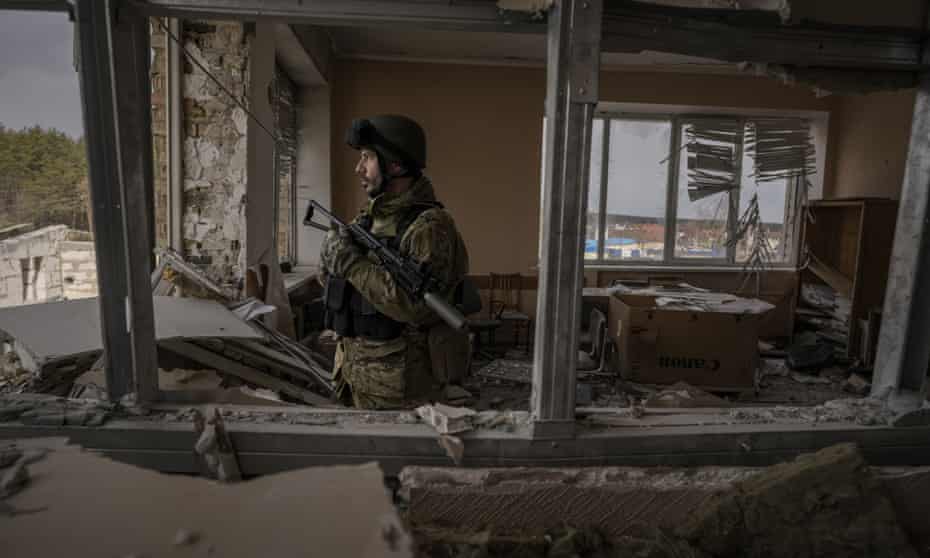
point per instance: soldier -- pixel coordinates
(393, 350)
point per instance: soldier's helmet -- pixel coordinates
(392, 137)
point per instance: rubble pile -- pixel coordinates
(199, 326)
(828, 504)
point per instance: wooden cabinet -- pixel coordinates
(848, 246)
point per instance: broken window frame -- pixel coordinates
(678, 119)
(281, 83)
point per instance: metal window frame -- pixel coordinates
(292, 187)
(669, 260)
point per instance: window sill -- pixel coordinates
(715, 268)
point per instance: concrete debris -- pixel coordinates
(40, 410)
(537, 8)
(204, 331)
(825, 504)
(447, 419)
(809, 379)
(684, 395)
(857, 384)
(822, 504)
(453, 446)
(214, 448)
(508, 421)
(517, 371)
(865, 412)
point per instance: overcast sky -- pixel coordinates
(38, 84)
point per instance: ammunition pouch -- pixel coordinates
(349, 314)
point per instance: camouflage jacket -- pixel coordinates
(383, 374)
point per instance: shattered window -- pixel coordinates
(711, 189)
(702, 213)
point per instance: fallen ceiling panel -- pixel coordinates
(58, 329)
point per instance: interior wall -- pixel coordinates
(871, 134)
(263, 277)
(313, 167)
(484, 132)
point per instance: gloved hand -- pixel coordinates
(339, 252)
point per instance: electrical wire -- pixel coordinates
(197, 63)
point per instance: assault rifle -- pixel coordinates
(412, 277)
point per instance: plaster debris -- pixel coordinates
(447, 419)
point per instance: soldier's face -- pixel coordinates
(369, 172)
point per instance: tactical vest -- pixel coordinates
(348, 313)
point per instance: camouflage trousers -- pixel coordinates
(385, 374)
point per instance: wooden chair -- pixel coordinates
(504, 305)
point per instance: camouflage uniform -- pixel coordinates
(389, 374)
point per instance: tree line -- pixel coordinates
(43, 178)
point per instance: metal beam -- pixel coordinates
(98, 106)
(746, 37)
(572, 92)
(274, 447)
(175, 140)
(472, 15)
(38, 5)
(130, 55)
(731, 35)
(903, 357)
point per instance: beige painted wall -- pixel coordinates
(870, 134)
(484, 128)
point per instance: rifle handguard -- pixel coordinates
(446, 311)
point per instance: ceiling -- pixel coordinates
(520, 49)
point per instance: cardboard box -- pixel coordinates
(713, 348)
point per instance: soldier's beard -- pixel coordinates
(373, 187)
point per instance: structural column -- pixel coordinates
(115, 97)
(904, 340)
(571, 95)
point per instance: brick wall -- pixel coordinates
(215, 148)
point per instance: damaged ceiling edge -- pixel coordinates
(535, 7)
(781, 7)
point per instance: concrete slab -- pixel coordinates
(80, 504)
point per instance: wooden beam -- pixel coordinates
(571, 95)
